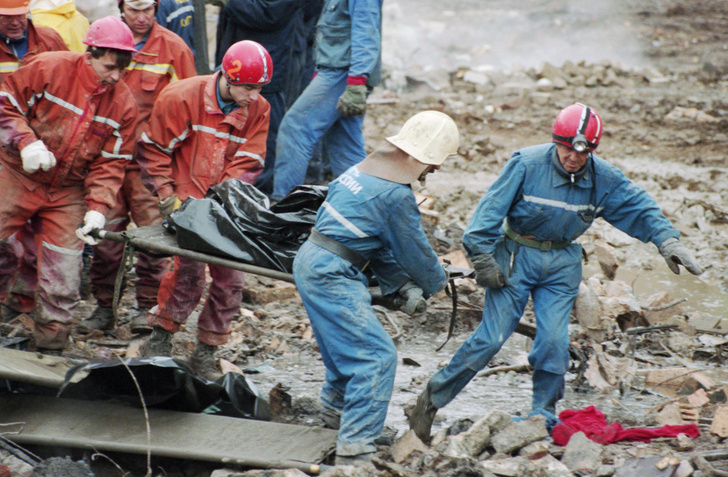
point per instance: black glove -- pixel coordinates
(676, 254)
(412, 301)
(487, 271)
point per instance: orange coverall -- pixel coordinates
(188, 146)
(22, 289)
(164, 59)
(89, 127)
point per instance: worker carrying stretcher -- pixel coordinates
(203, 131)
(370, 221)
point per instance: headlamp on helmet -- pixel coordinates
(579, 127)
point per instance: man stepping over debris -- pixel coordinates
(521, 243)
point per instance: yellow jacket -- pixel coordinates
(67, 21)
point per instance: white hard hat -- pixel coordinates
(429, 137)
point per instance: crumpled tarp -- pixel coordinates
(165, 383)
(234, 220)
(593, 424)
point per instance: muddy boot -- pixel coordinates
(102, 319)
(159, 343)
(360, 460)
(330, 418)
(203, 362)
(421, 417)
(139, 323)
(85, 288)
(7, 314)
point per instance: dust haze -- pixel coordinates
(507, 34)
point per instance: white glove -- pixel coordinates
(91, 221)
(37, 156)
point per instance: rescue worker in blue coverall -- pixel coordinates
(370, 220)
(521, 242)
(348, 66)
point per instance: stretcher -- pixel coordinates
(156, 240)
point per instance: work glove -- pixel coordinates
(217, 3)
(91, 221)
(487, 271)
(37, 156)
(676, 254)
(169, 205)
(412, 301)
(353, 102)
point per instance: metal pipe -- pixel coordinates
(149, 245)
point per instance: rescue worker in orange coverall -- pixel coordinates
(65, 147)
(203, 131)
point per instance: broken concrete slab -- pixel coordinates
(520, 434)
(547, 465)
(644, 467)
(674, 382)
(582, 454)
(508, 467)
(720, 422)
(406, 446)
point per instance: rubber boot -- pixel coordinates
(7, 314)
(203, 362)
(139, 323)
(102, 319)
(159, 343)
(548, 389)
(422, 416)
(330, 418)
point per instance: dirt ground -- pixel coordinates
(657, 72)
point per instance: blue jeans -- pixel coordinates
(359, 355)
(277, 101)
(312, 115)
(552, 279)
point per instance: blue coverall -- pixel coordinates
(536, 200)
(348, 45)
(378, 219)
(177, 15)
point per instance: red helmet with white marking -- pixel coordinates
(247, 62)
(579, 127)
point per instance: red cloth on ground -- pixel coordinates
(591, 421)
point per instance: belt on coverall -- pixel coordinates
(338, 248)
(544, 246)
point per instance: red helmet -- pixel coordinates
(578, 126)
(110, 32)
(247, 62)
